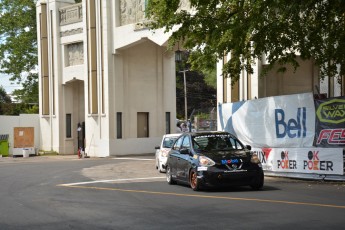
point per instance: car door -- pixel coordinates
(182, 164)
(174, 155)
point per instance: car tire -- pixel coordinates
(170, 180)
(159, 167)
(161, 170)
(193, 180)
(258, 182)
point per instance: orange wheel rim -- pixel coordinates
(193, 179)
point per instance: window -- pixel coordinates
(186, 143)
(178, 144)
(236, 144)
(119, 125)
(142, 125)
(68, 125)
(168, 142)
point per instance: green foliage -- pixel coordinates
(203, 115)
(18, 44)
(4, 98)
(32, 110)
(249, 28)
(210, 76)
(200, 96)
(29, 92)
(17, 108)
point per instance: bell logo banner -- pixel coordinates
(272, 122)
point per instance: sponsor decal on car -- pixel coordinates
(202, 168)
(213, 135)
(231, 161)
(233, 164)
(235, 171)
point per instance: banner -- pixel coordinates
(330, 122)
(302, 160)
(281, 121)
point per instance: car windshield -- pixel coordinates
(168, 142)
(216, 142)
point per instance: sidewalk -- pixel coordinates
(37, 158)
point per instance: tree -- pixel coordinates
(18, 45)
(249, 28)
(4, 97)
(29, 92)
(201, 89)
(200, 96)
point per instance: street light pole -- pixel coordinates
(185, 94)
(178, 59)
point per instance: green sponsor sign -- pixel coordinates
(332, 111)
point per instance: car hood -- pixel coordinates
(219, 155)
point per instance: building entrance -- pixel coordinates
(81, 136)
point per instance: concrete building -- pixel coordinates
(251, 86)
(107, 83)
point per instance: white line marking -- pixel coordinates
(107, 181)
(136, 159)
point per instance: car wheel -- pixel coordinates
(258, 182)
(170, 180)
(193, 180)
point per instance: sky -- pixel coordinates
(6, 83)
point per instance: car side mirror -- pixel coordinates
(157, 147)
(249, 147)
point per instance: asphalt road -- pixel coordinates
(107, 193)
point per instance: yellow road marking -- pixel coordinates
(205, 196)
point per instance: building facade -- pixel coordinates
(107, 83)
(305, 79)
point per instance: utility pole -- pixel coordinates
(178, 59)
(185, 94)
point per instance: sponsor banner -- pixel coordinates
(330, 122)
(282, 121)
(302, 160)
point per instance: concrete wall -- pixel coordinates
(7, 124)
(302, 80)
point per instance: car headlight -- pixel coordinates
(165, 154)
(255, 159)
(205, 161)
